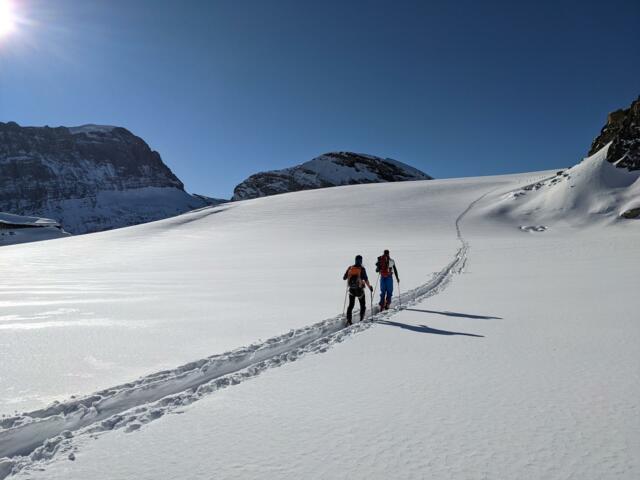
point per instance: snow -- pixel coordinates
(37, 229)
(204, 282)
(117, 208)
(407, 168)
(91, 128)
(326, 168)
(14, 237)
(22, 220)
(516, 357)
(592, 192)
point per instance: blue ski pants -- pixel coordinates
(386, 290)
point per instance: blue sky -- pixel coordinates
(223, 89)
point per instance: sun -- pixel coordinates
(7, 18)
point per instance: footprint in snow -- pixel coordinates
(533, 228)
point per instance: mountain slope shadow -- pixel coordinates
(195, 215)
(425, 329)
(455, 314)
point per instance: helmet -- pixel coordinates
(358, 259)
(386, 252)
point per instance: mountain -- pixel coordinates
(88, 178)
(623, 131)
(328, 170)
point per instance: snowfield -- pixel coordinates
(16, 229)
(211, 344)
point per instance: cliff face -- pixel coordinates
(623, 131)
(328, 170)
(88, 178)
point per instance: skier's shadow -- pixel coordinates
(425, 329)
(455, 314)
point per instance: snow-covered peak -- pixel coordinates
(328, 170)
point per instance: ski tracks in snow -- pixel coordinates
(35, 437)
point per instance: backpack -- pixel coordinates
(382, 266)
(354, 277)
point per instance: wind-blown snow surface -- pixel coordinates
(526, 366)
(105, 308)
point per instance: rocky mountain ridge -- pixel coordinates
(88, 178)
(328, 170)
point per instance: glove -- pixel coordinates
(370, 288)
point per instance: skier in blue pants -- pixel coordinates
(387, 268)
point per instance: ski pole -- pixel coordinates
(371, 293)
(374, 292)
(344, 305)
(399, 295)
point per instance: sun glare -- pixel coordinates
(7, 17)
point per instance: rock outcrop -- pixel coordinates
(623, 131)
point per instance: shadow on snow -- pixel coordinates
(455, 314)
(425, 329)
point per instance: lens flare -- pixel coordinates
(7, 18)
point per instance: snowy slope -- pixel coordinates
(525, 366)
(208, 281)
(111, 209)
(592, 192)
(328, 170)
(528, 371)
